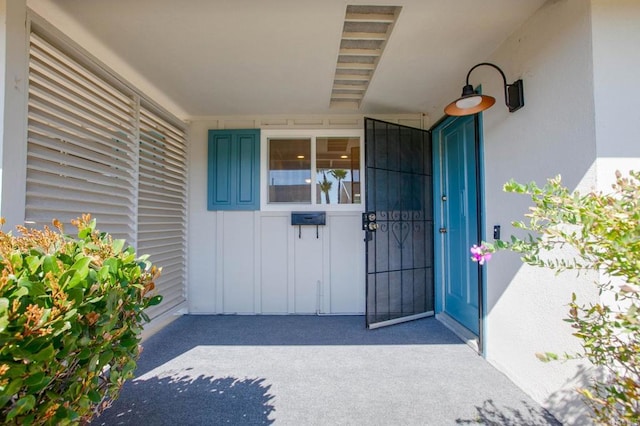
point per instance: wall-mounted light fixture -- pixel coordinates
(471, 102)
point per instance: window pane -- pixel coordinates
(338, 170)
(290, 170)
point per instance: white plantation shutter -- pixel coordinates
(81, 144)
(96, 145)
(162, 202)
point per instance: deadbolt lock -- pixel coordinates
(369, 221)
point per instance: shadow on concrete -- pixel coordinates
(209, 370)
(191, 401)
(491, 415)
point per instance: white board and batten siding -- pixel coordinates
(265, 265)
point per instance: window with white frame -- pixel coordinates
(317, 169)
(289, 176)
(338, 170)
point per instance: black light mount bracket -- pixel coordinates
(513, 93)
(471, 102)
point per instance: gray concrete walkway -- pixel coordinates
(307, 370)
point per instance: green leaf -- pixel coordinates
(94, 396)
(61, 412)
(128, 342)
(45, 354)
(74, 279)
(129, 368)
(82, 266)
(547, 356)
(105, 357)
(114, 376)
(20, 292)
(103, 273)
(85, 353)
(112, 264)
(75, 390)
(117, 246)
(155, 300)
(9, 391)
(94, 300)
(76, 294)
(84, 233)
(92, 277)
(34, 263)
(37, 382)
(36, 289)
(92, 246)
(23, 405)
(34, 378)
(130, 257)
(65, 258)
(16, 370)
(4, 313)
(49, 264)
(64, 278)
(28, 420)
(79, 272)
(16, 260)
(70, 314)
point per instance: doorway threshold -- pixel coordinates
(459, 330)
(399, 320)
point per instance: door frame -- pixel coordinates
(439, 283)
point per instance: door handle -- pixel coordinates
(369, 223)
(443, 230)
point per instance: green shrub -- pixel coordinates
(604, 232)
(71, 314)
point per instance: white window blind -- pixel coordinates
(97, 146)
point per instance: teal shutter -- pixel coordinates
(234, 170)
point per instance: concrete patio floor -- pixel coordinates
(309, 370)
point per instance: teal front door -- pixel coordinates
(456, 199)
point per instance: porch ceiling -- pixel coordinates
(241, 57)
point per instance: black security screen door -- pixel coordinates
(400, 250)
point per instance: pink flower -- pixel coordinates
(480, 254)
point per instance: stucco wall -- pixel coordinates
(577, 62)
(553, 134)
(616, 37)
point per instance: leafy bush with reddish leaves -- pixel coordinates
(71, 314)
